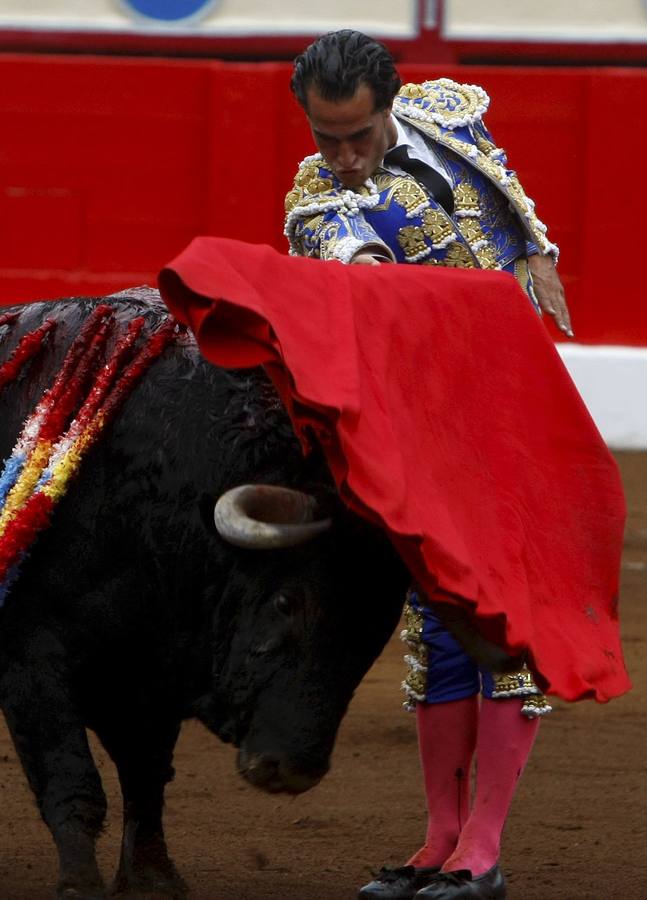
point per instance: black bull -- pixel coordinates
(133, 611)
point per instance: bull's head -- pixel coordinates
(309, 605)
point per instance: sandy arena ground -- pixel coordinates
(577, 831)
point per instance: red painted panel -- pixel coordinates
(240, 186)
(614, 204)
(121, 143)
(109, 166)
(40, 228)
(102, 85)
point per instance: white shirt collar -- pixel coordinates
(402, 136)
(419, 148)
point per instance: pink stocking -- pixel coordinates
(505, 739)
(446, 738)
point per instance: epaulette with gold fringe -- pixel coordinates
(443, 102)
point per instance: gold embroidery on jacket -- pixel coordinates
(471, 230)
(412, 240)
(459, 257)
(484, 145)
(466, 199)
(436, 225)
(409, 194)
(310, 179)
(452, 102)
(413, 91)
(487, 257)
(423, 99)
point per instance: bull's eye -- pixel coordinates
(284, 604)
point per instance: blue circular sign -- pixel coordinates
(169, 10)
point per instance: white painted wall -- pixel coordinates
(613, 384)
(603, 21)
(227, 17)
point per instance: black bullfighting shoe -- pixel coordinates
(402, 883)
(461, 886)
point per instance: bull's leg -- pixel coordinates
(142, 749)
(53, 748)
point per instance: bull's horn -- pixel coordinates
(263, 516)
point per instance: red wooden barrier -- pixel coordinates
(109, 166)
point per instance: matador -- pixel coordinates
(411, 175)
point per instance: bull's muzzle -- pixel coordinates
(276, 774)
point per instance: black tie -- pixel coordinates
(432, 180)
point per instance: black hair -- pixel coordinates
(337, 63)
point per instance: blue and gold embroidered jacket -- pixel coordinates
(394, 214)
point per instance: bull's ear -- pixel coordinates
(205, 508)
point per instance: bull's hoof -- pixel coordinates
(146, 871)
(75, 893)
(148, 895)
(154, 887)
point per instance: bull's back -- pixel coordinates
(36, 367)
(131, 530)
(106, 527)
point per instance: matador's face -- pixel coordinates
(350, 134)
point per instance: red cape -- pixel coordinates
(447, 418)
